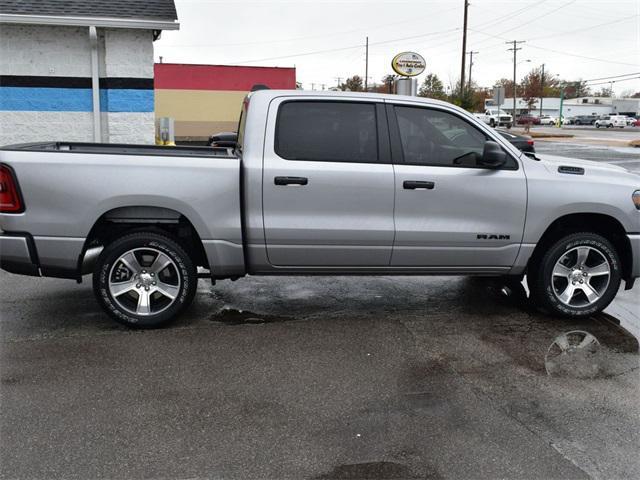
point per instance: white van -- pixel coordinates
(612, 121)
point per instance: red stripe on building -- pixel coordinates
(221, 77)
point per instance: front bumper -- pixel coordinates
(18, 254)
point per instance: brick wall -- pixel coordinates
(45, 88)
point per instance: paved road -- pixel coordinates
(348, 377)
(592, 133)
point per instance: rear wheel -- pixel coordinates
(144, 280)
(577, 276)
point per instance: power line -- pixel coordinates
(613, 81)
(615, 76)
(583, 56)
(531, 20)
(310, 37)
(560, 34)
(316, 52)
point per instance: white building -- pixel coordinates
(79, 70)
(573, 107)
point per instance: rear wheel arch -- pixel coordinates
(601, 224)
(120, 221)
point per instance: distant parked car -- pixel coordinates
(525, 119)
(630, 121)
(521, 142)
(610, 121)
(584, 119)
(548, 120)
(636, 123)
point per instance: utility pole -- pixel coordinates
(471, 54)
(464, 47)
(337, 79)
(541, 88)
(515, 49)
(366, 65)
(323, 85)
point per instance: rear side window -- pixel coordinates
(327, 131)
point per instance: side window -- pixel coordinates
(438, 138)
(327, 131)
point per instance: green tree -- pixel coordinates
(432, 87)
(352, 84)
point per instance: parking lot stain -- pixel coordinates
(232, 316)
(373, 471)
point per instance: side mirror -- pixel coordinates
(492, 155)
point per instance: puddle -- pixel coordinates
(579, 354)
(371, 470)
(232, 316)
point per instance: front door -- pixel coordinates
(327, 195)
(451, 213)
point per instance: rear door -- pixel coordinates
(451, 213)
(328, 183)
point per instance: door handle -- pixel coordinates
(290, 180)
(418, 185)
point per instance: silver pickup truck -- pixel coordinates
(320, 184)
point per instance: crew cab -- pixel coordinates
(319, 183)
(495, 118)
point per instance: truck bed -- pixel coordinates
(123, 149)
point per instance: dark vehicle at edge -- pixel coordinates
(521, 142)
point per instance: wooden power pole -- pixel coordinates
(366, 65)
(464, 47)
(515, 49)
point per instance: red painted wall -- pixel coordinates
(179, 76)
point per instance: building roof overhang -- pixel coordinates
(106, 22)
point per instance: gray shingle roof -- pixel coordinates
(164, 10)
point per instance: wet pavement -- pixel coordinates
(311, 377)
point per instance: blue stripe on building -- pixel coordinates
(43, 99)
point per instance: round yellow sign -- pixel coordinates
(408, 64)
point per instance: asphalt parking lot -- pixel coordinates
(349, 377)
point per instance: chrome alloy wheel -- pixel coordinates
(144, 281)
(581, 276)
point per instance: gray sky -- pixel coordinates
(559, 33)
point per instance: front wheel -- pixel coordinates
(492, 123)
(144, 280)
(597, 125)
(577, 276)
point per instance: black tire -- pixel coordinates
(508, 126)
(492, 123)
(577, 122)
(181, 272)
(540, 275)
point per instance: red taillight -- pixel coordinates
(10, 200)
(530, 142)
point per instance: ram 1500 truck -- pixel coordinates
(495, 118)
(320, 184)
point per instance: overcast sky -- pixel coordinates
(585, 39)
